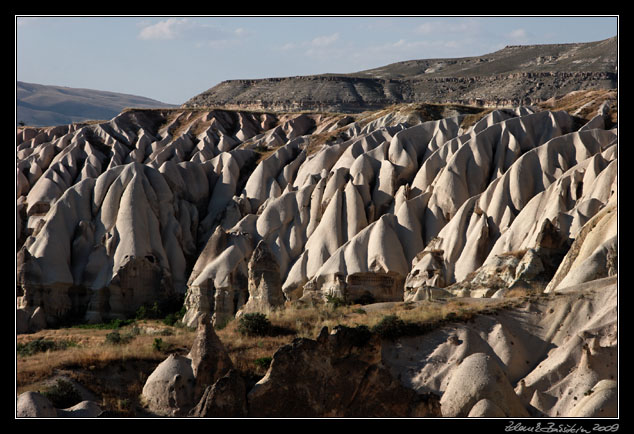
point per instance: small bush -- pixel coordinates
(135, 331)
(63, 394)
(263, 362)
(254, 324)
(170, 319)
(158, 344)
(392, 327)
(170, 309)
(149, 311)
(174, 318)
(115, 338)
(335, 301)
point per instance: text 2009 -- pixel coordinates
(606, 428)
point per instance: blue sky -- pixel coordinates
(171, 59)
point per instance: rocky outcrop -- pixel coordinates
(338, 375)
(169, 390)
(225, 398)
(479, 386)
(593, 254)
(33, 404)
(265, 285)
(178, 383)
(209, 359)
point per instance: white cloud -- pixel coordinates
(518, 34)
(241, 32)
(427, 28)
(200, 34)
(324, 41)
(321, 46)
(288, 46)
(167, 29)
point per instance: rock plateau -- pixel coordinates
(515, 75)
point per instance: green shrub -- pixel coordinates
(115, 338)
(254, 324)
(335, 301)
(174, 318)
(158, 345)
(146, 311)
(170, 309)
(392, 327)
(263, 362)
(63, 394)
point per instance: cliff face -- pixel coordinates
(513, 76)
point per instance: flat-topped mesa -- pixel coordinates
(515, 75)
(356, 94)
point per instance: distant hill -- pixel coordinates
(43, 105)
(512, 76)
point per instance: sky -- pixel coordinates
(173, 58)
